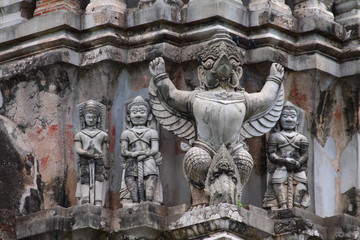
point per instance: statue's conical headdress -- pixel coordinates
(139, 100)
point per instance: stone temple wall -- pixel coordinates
(57, 54)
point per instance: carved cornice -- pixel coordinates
(75, 41)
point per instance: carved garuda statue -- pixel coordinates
(219, 113)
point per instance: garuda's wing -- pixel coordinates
(169, 118)
(263, 122)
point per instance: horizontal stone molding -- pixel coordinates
(152, 221)
(309, 45)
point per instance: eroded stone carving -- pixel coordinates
(91, 144)
(140, 150)
(288, 156)
(219, 113)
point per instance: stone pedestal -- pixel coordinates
(152, 221)
(275, 5)
(98, 6)
(152, 11)
(309, 8)
(100, 12)
(264, 11)
(44, 7)
(347, 12)
(15, 11)
(232, 10)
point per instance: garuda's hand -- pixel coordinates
(157, 66)
(276, 70)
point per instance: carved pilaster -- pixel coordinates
(308, 8)
(347, 12)
(15, 11)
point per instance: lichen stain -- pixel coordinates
(52, 129)
(298, 96)
(140, 77)
(258, 152)
(69, 141)
(351, 96)
(71, 187)
(112, 139)
(323, 115)
(338, 132)
(44, 162)
(39, 130)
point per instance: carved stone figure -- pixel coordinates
(219, 113)
(91, 144)
(288, 156)
(140, 149)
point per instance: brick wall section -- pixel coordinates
(44, 7)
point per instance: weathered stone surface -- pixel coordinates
(21, 185)
(151, 221)
(7, 224)
(65, 58)
(305, 8)
(223, 217)
(347, 12)
(15, 12)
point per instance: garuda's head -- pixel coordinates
(221, 63)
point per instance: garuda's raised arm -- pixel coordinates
(173, 97)
(261, 101)
(264, 107)
(169, 105)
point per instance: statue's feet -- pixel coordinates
(98, 203)
(197, 207)
(282, 206)
(85, 200)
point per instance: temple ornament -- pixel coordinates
(140, 155)
(288, 155)
(91, 144)
(216, 118)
